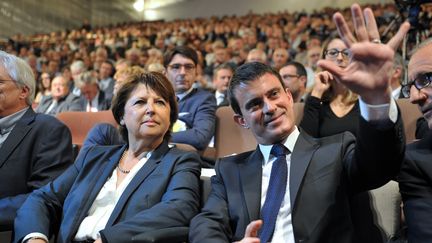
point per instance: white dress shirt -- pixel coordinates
(103, 205)
(283, 229)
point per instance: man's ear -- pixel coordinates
(303, 82)
(240, 120)
(25, 92)
(288, 93)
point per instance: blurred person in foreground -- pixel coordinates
(415, 179)
(34, 148)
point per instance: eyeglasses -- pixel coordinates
(421, 81)
(334, 53)
(176, 67)
(289, 76)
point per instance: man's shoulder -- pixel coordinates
(201, 92)
(47, 122)
(237, 158)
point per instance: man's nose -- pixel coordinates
(416, 96)
(269, 107)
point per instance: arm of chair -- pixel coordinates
(174, 234)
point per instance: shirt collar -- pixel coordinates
(8, 122)
(289, 143)
(180, 96)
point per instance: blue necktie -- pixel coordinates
(275, 192)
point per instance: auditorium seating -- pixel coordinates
(410, 113)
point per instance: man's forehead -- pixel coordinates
(180, 59)
(288, 69)
(421, 61)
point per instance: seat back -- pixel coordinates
(410, 113)
(230, 138)
(80, 123)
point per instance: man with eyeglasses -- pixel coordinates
(197, 108)
(415, 179)
(34, 148)
(295, 77)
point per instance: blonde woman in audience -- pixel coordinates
(331, 108)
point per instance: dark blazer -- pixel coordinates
(198, 110)
(38, 149)
(104, 103)
(67, 103)
(415, 183)
(164, 193)
(103, 134)
(324, 173)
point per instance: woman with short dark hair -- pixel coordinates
(113, 193)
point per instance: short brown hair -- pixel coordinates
(154, 81)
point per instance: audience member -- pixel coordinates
(294, 77)
(43, 87)
(313, 55)
(34, 148)
(221, 77)
(416, 173)
(197, 108)
(256, 55)
(324, 172)
(92, 99)
(279, 58)
(77, 68)
(397, 77)
(59, 100)
(331, 107)
(106, 81)
(113, 193)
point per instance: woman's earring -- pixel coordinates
(122, 123)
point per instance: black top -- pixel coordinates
(320, 121)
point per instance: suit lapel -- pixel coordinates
(22, 127)
(94, 188)
(138, 179)
(300, 159)
(250, 169)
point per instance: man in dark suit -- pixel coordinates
(415, 179)
(92, 99)
(197, 108)
(60, 99)
(221, 77)
(295, 188)
(294, 76)
(34, 148)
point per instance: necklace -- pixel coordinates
(118, 165)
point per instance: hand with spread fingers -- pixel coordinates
(369, 70)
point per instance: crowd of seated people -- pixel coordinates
(83, 69)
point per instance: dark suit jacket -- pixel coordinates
(164, 193)
(38, 149)
(198, 110)
(415, 183)
(324, 174)
(67, 103)
(103, 134)
(103, 102)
